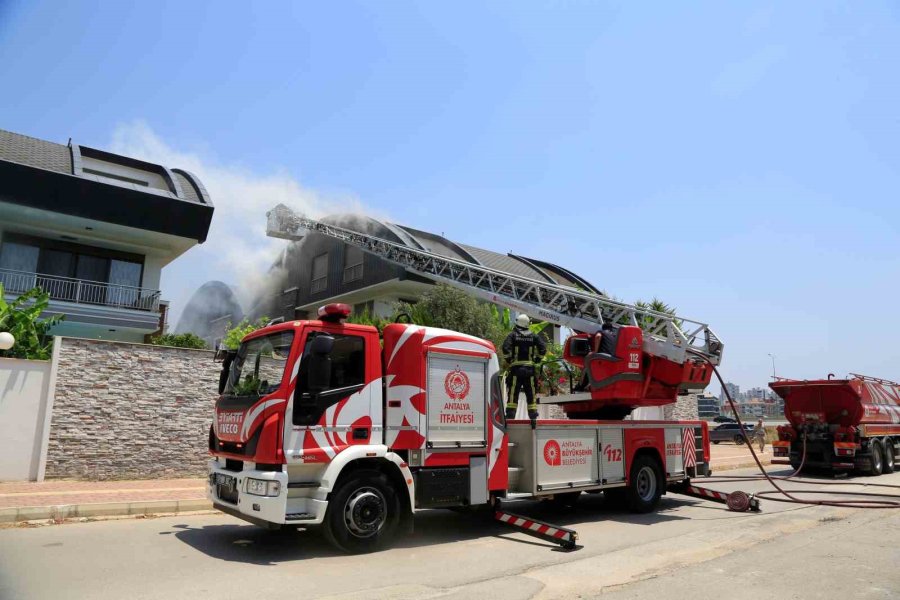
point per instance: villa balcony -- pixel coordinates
(81, 292)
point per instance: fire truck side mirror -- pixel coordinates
(227, 359)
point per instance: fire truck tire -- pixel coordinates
(877, 461)
(646, 484)
(363, 513)
(888, 446)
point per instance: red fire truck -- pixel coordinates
(323, 423)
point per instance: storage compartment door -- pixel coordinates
(565, 458)
(612, 466)
(457, 397)
(674, 452)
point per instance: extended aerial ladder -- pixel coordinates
(675, 340)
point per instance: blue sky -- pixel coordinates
(738, 160)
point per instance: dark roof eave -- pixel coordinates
(89, 199)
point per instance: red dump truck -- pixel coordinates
(844, 424)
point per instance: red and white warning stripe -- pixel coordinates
(706, 493)
(689, 447)
(536, 527)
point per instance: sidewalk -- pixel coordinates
(51, 500)
(731, 456)
(54, 500)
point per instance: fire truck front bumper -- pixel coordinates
(263, 497)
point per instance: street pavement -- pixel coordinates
(689, 548)
(154, 496)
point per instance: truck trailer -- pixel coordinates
(839, 424)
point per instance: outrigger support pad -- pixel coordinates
(736, 501)
(566, 538)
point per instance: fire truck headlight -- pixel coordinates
(263, 487)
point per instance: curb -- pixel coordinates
(101, 509)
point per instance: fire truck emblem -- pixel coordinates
(634, 342)
(456, 384)
(552, 453)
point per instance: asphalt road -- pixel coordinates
(690, 548)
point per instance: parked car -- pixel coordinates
(729, 432)
(723, 419)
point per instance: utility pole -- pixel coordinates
(772, 356)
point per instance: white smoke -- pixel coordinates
(237, 249)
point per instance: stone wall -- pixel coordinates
(684, 409)
(130, 411)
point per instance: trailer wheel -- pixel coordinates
(363, 513)
(645, 485)
(888, 446)
(738, 439)
(877, 461)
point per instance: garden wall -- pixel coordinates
(24, 393)
(130, 411)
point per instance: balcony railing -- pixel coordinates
(81, 291)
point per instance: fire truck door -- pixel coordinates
(457, 396)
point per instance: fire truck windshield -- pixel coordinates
(258, 368)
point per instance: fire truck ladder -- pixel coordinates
(664, 335)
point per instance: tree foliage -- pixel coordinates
(450, 308)
(367, 318)
(656, 305)
(180, 340)
(21, 318)
(236, 333)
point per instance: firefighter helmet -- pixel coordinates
(523, 321)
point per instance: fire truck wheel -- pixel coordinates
(888, 446)
(646, 484)
(877, 461)
(363, 513)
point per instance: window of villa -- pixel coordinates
(319, 274)
(59, 262)
(353, 264)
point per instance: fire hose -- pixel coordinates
(779, 494)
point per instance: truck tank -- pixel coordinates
(858, 400)
(839, 424)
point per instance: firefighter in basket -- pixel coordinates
(522, 351)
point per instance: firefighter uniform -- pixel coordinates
(522, 350)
